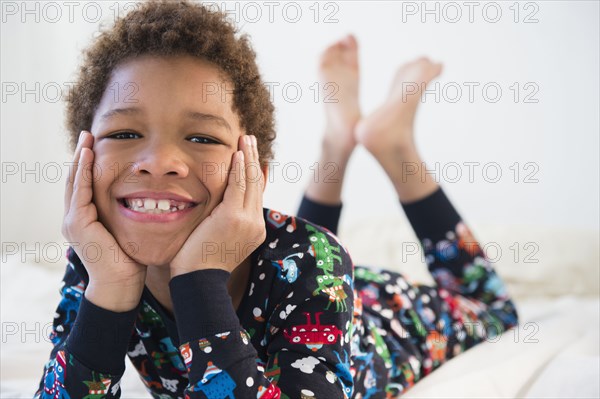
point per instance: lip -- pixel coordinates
(155, 218)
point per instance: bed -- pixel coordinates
(553, 274)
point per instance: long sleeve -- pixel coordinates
(307, 336)
(90, 343)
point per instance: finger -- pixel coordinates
(253, 198)
(236, 182)
(82, 183)
(82, 142)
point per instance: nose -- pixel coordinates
(161, 159)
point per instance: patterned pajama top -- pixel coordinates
(310, 325)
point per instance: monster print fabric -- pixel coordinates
(310, 324)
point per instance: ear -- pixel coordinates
(265, 171)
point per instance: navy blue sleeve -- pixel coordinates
(90, 343)
(327, 216)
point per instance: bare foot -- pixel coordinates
(389, 129)
(338, 70)
(339, 74)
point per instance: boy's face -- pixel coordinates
(164, 135)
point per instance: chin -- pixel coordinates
(154, 258)
(151, 252)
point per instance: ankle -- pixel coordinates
(385, 151)
(332, 151)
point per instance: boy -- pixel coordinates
(209, 294)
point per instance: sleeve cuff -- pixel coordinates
(324, 215)
(99, 338)
(431, 217)
(202, 305)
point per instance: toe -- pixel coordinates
(350, 41)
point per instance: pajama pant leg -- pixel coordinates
(417, 327)
(425, 326)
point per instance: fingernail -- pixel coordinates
(248, 140)
(80, 136)
(254, 143)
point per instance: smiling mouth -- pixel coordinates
(155, 206)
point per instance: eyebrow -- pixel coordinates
(195, 115)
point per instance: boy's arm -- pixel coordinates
(90, 343)
(221, 360)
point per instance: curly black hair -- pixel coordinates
(170, 28)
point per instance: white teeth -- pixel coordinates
(151, 205)
(163, 204)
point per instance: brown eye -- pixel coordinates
(123, 135)
(203, 140)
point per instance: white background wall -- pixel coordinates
(557, 135)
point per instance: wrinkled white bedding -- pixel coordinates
(553, 353)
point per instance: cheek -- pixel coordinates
(110, 168)
(107, 172)
(214, 176)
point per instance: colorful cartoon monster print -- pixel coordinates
(444, 278)
(204, 345)
(342, 370)
(415, 321)
(380, 346)
(166, 345)
(251, 332)
(393, 390)
(466, 240)
(446, 250)
(494, 287)
(367, 275)
(370, 383)
(436, 344)
(187, 354)
(215, 384)
(98, 387)
(148, 379)
(369, 295)
(269, 392)
(69, 307)
(314, 336)
(54, 380)
(334, 288)
(372, 374)
(160, 358)
(148, 315)
(277, 220)
(323, 252)
(274, 372)
(427, 316)
(287, 267)
(408, 374)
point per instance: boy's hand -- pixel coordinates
(236, 227)
(116, 281)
